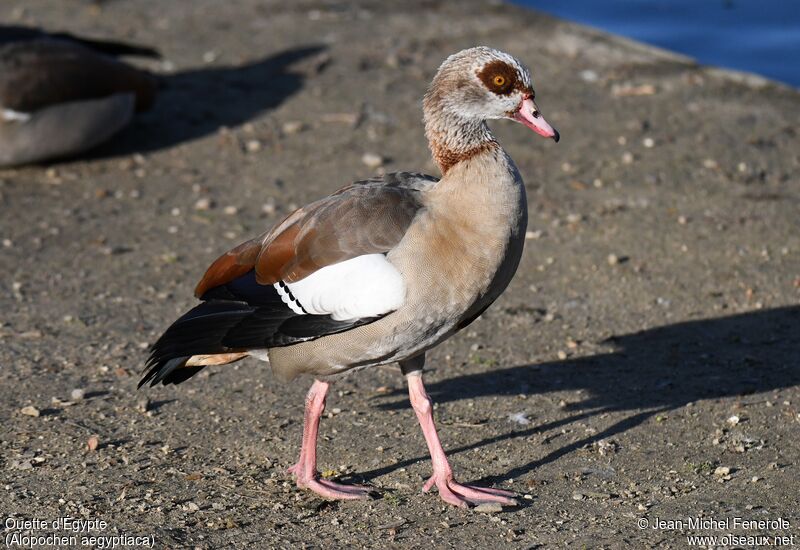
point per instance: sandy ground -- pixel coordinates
(643, 365)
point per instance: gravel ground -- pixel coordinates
(644, 364)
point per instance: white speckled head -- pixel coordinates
(472, 86)
(481, 83)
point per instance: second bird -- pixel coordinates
(61, 95)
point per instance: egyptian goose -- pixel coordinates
(380, 271)
(61, 95)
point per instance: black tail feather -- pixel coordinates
(200, 331)
(163, 371)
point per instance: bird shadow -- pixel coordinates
(646, 373)
(195, 103)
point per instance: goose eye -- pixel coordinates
(499, 80)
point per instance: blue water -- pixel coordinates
(759, 36)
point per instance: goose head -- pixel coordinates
(479, 84)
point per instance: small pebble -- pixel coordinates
(92, 443)
(253, 145)
(21, 464)
(203, 204)
(625, 90)
(612, 259)
(372, 160)
(293, 126)
(722, 471)
(649, 143)
(30, 411)
(230, 210)
(77, 394)
(489, 507)
(143, 404)
(562, 354)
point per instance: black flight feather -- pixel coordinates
(238, 316)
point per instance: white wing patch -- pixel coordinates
(364, 286)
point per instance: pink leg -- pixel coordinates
(306, 468)
(449, 490)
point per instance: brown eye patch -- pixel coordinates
(499, 77)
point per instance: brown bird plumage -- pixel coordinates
(61, 95)
(364, 218)
(380, 271)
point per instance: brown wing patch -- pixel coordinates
(359, 219)
(229, 266)
(276, 254)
